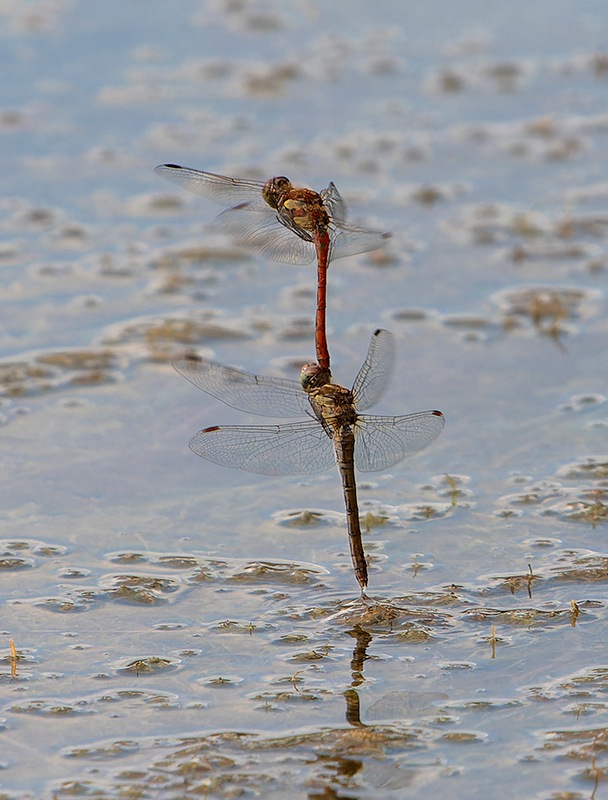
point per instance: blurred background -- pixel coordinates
(183, 628)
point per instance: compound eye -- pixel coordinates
(312, 376)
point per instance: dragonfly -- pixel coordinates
(334, 431)
(285, 223)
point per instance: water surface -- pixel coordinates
(185, 629)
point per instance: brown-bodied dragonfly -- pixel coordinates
(335, 431)
(265, 217)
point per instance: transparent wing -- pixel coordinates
(293, 449)
(256, 394)
(375, 374)
(218, 188)
(333, 202)
(263, 230)
(348, 240)
(382, 442)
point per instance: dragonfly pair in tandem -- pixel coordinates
(335, 432)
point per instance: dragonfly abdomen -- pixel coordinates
(344, 443)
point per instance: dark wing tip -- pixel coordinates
(169, 166)
(378, 331)
(387, 235)
(438, 414)
(211, 429)
(188, 356)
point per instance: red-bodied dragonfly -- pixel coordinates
(335, 431)
(265, 217)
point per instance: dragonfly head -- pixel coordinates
(312, 376)
(275, 189)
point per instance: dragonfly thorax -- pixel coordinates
(334, 405)
(305, 209)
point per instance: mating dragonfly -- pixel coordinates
(333, 433)
(265, 217)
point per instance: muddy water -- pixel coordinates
(181, 629)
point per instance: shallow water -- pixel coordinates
(186, 630)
